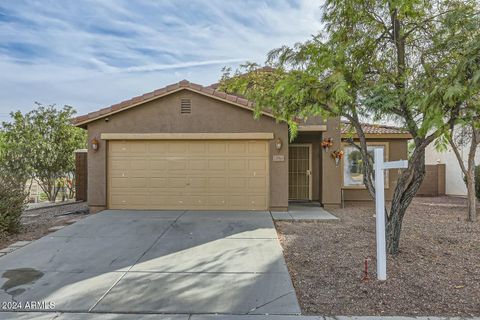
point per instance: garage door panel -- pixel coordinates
(179, 182)
(177, 164)
(217, 148)
(175, 201)
(217, 182)
(128, 199)
(157, 147)
(119, 164)
(177, 148)
(257, 164)
(157, 182)
(139, 164)
(239, 201)
(193, 174)
(257, 183)
(197, 164)
(198, 202)
(159, 164)
(217, 164)
(238, 148)
(257, 148)
(237, 164)
(127, 149)
(258, 202)
(121, 183)
(237, 182)
(217, 201)
(198, 147)
(138, 173)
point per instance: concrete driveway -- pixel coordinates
(172, 262)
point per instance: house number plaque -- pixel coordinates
(278, 157)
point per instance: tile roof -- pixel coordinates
(370, 128)
(184, 84)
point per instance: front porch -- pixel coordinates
(312, 173)
(303, 211)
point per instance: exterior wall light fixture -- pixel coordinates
(278, 144)
(95, 144)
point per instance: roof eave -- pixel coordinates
(404, 136)
(101, 115)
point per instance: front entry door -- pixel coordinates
(300, 172)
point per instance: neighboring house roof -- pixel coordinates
(147, 97)
(376, 130)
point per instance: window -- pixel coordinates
(353, 164)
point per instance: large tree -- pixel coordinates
(462, 89)
(40, 145)
(381, 60)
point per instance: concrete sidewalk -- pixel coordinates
(303, 212)
(111, 316)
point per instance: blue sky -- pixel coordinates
(90, 54)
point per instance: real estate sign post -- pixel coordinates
(380, 166)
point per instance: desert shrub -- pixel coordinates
(12, 202)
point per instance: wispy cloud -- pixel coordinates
(91, 53)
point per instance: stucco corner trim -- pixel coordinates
(317, 127)
(188, 136)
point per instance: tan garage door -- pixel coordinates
(188, 174)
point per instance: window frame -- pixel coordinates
(362, 186)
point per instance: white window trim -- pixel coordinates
(362, 186)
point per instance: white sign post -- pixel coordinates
(380, 166)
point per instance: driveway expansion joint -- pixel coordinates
(119, 262)
(133, 264)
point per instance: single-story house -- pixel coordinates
(186, 146)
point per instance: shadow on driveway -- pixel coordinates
(175, 262)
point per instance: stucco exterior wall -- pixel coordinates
(331, 174)
(397, 150)
(207, 115)
(454, 184)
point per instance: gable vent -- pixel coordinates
(185, 106)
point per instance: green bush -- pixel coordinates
(12, 203)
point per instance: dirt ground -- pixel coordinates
(437, 271)
(36, 222)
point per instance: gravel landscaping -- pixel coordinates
(37, 222)
(436, 273)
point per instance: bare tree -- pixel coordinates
(468, 136)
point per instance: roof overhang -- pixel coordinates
(160, 93)
(404, 136)
(312, 128)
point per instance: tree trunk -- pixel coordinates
(469, 171)
(471, 203)
(398, 209)
(407, 186)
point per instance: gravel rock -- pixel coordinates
(37, 222)
(437, 271)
